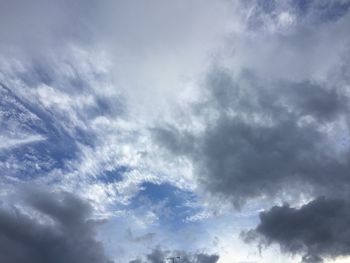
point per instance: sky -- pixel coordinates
(137, 131)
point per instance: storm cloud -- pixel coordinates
(265, 137)
(318, 229)
(48, 227)
(274, 127)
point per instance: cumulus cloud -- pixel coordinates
(159, 255)
(262, 138)
(318, 229)
(38, 226)
(271, 122)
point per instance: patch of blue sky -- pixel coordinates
(267, 6)
(14, 115)
(321, 11)
(114, 175)
(169, 203)
(138, 238)
(325, 9)
(304, 12)
(62, 138)
(24, 163)
(40, 156)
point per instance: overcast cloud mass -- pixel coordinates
(136, 131)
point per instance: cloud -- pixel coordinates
(271, 125)
(45, 124)
(159, 256)
(268, 130)
(11, 143)
(48, 227)
(272, 115)
(318, 229)
(277, 15)
(148, 237)
(263, 138)
(44, 25)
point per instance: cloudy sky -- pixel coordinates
(136, 131)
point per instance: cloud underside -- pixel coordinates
(273, 140)
(317, 229)
(266, 138)
(269, 131)
(48, 227)
(159, 255)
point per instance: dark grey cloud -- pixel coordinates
(159, 255)
(318, 229)
(266, 138)
(311, 259)
(48, 227)
(271, 131)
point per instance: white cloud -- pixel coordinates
(8, 142)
